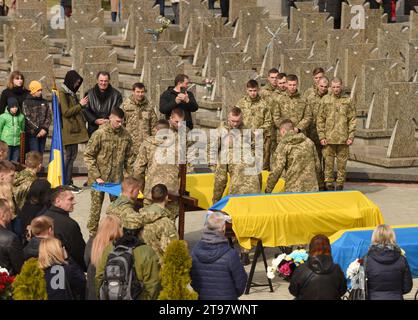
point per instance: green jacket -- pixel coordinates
(336, 120)
(123, 208)
(73, 124)
(109, 154)
(296, 156)
(11, 127)
(21, 185)
(147, 270)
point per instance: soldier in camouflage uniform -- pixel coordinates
(159, 233)
(317, 74)
(336, 125)
(24, 179)
(140, 116)
(296, 156)
(151, 169)
(293, 107)
(256, 115)
(108, 156)
(124, 205)
(240, 182)
(314, 101)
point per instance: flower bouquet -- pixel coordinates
(285, 264)
(5, 284)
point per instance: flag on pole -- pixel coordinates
(56, 174)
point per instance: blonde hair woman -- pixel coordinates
(387, 270)
(64, 279)
(109, 230)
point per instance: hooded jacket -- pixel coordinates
(11, 126)
(217, 272)
(318, 279)
(100, 105)
(296, 156)
(168, 103)
(388, 274)
(19, 93)
(73, 123)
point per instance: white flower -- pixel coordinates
(4, 270)
(275, 262)
(271, 272)
(353, 269)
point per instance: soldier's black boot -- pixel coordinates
(245, 258)
(329, 187)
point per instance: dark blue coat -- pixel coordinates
(388, 274)
(217, 272)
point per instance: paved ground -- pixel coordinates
(398, 203)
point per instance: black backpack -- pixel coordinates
(120, 280)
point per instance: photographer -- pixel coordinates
(179, 97)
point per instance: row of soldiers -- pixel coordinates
(323, 114)
(302, 136)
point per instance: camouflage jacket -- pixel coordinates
(109, 154)
(139, 120)
(336, 121)
(314, 99)
(310, 92)
(256, 114)
(152, 167)
(123, 208)
(297, 156)
(159, 233)
(21, 185)
(295, 108)
(241, 180)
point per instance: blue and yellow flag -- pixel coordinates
(56, 174)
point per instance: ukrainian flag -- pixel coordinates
(56, 173)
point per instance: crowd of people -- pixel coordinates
(302, 134)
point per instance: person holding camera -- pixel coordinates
(179, 97)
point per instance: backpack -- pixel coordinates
(120, 280)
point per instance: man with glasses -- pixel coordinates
(101, 99)
(108, 154)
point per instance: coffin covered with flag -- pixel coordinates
(348, 245)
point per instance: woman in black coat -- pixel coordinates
(319, 278)
(387, 271)
(64, 278)
(15, 88)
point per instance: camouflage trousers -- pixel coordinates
(330, 153)
(173, 206)
(97, 198)
(267, 152)
(158, 239)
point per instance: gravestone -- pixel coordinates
(236, 5)
(83, 38)
(9, 32)
(159, 48)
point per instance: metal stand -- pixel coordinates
(259, 249)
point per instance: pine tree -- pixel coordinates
(175, 273)
(30, 283)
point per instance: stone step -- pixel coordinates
(127, 68)
(63, 61)
(209, 105)
(119, 42)
(57, 42)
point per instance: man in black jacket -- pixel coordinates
(65, 228)
(179, 97)
(101, 99)
(11, 251)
